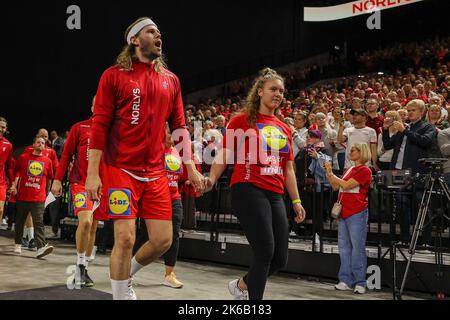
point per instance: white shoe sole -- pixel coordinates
(167, 284)
(44, 253)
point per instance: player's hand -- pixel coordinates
(93, 187)
(300, 213)
(57, 188)
(197, 181)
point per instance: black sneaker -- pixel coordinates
(87, 280)
(32, 244)
(24, 243)
(82, 272)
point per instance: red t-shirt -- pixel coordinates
(174, 169)
(47, 152)
(33, 172)
(77, 144)
(355, 200)
(375, 123)
(263, 161)
(6, 162)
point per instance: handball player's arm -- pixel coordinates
(102, 119)
(177, 123)
(68, 152)
(291, 186)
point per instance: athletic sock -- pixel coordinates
(30, 233)
(25, 233)
(119, 289)
(135, 266)
(81, 258)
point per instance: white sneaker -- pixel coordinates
(172, 281)
(342, 286)
(359, 290)
(18, 248)
(130, 295)
(4, 222)
(45, 250)
(237, 292)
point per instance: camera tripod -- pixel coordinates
(434, 184)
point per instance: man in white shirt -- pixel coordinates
(359, 133)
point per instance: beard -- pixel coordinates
(149, 53)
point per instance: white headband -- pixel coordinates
(138, 27)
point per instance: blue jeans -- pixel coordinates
(352, 234)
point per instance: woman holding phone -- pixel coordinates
(385, 156)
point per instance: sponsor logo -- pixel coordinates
(165, 85)
(80, 200)
(35, 168)
(273, 138)
(119, 202)
(173, 163)
(136, 107)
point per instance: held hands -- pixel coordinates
(56, 188)
(300, 213)
(13, 189)
(197, 180)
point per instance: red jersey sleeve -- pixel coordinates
(235, 123)
(363, 176)
(103, 111)
(50, 170)
(177, 121)
(54, 160)
(69, 150)
(10, 165)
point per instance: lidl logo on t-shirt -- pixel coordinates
(35, 168)
(119, 202)
(173, 163)
(80, 200)
(273, 138)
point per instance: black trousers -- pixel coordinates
(37, 213)
(263, 218)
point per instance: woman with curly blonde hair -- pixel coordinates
(257, 184)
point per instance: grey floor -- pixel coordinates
(202, 281)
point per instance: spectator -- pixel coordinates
(352, 232)
(359, 133)
(385, 156)
(374, 120)
(57, 143)
(299, 132)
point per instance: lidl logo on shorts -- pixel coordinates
(80, 200)
(273, 138)
(35, 168)
(119, 202)
(173, 163)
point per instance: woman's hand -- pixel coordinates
(300, 213)
(327, 167)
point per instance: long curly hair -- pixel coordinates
(128, 54)
(253, 100)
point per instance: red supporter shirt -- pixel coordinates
(375, 123)
(6, 162)
(355, 200)
(174, 169)
(130, 114)
(47, 152)
(33, 172)
(265, 169)
(77, 144)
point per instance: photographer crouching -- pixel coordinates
(352, 211)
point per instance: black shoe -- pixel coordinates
(24, 243)
(87, 280)
(32, 244)
(82, 271)
(101, 249)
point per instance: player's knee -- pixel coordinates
(125, 241)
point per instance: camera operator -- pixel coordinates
(411, 143)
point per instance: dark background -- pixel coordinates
(50, 73)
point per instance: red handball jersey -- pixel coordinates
(174, 169)
(33, 172)
(130, 114)
(262, 158)
(49, 153)
(77, 144)
(355, 200)
(6, 162)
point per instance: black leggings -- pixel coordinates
(262, 215)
